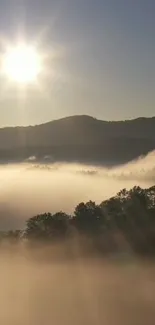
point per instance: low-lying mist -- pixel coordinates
(80, 292)
(42, 284)
(30, 188)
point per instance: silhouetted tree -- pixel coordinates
(89, 218)
(133, 212)
(129, 215)
(47, 226)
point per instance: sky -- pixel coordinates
(102, 59)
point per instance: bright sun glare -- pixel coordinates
(22, 64)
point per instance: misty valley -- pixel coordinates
(77, 243)
(77, 162)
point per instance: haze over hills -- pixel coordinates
(79, 138)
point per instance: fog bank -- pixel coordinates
(83, 292)
(29, 188)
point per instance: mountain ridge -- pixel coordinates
(80, 138)
(84, 116)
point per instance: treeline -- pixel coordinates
(125, 222)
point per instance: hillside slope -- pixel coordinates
(80, 138)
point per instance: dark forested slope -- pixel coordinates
(79, 138)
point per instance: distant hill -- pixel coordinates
(79, 138)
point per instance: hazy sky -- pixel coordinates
(105, 61)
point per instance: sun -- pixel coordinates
(22, 64)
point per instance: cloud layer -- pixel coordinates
(27, 189)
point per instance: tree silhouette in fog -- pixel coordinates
(133, 213)
(130, 214)
(89, 218)
(47, 226)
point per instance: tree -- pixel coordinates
(133, 213)
(47, 226)
(88, 217)
(129, 215)
(57, 226)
